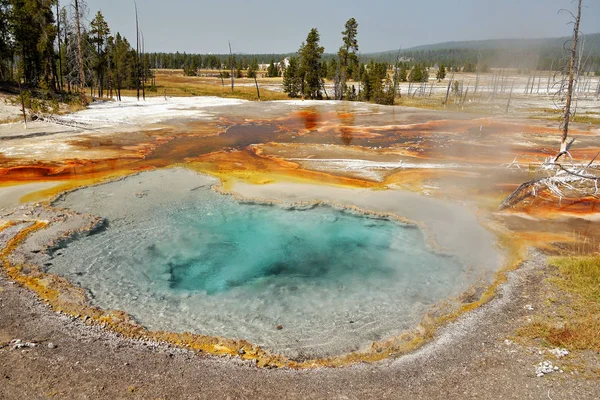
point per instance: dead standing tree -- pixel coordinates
(231, 66)
(80, 50)
(564, 147)
(137, 52)
(577, 179)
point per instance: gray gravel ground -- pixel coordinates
(468, 360)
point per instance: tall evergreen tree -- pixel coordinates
(272, 70)
(98, 37)
(80, 44)
(5, 42)
(253, 68)
(292, 81)
(441, 74)
(347, 55)
(310, 65)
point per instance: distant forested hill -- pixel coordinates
(592, 42)
(544, 54)
(508, 53)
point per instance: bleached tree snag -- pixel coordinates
(549, 77)
(360, 77)
(324, 90)
(396, 78)
(231, 67)
(257, 90)
(137, 52)
(510, 96)
(575, 179)
(523, 191)
(567, 115)
(221, 74)
(22, 104)
(60, 67)
(464, 98)
(143, 67)
(80, 54)
(448, 90)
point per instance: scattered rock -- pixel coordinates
(241, 352)
(559, 352)
(545, 368)
(51, 345)
(20, 344)
(279, 327)
(528, 307)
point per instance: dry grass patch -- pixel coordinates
(175, 84)
(575, 301)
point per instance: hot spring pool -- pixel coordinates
(178, 256)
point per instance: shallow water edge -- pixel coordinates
(122, 323)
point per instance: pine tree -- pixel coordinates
(403, 74)
(419, 73)
(291, 79)
(441, 74)
(5, 44)
(272, 70)
(332, 69)
(253, 68)
(347, 55)
(98, 37)
(310, 65)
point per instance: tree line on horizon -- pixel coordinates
(53, 50)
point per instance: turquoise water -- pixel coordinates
(195, 260)
(252, 246)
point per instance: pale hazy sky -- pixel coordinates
(279, 26)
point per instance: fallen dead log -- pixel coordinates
(575, 180)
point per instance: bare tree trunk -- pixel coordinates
(448, 90)
(257, 90)
(396, 73)
(137, 52)
(66, 39)
(577, 86)
(324, 90)
(359, 77)
(61, 83)
(221, 74)
(567, 115)
(80, 55)
(110, 87)
(22, 104)
(549, 77)
(231, 66)
(336, 84)
(510, 96)
(464, 99)
(143, 68)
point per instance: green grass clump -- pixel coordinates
(580, 275)
(575, 325)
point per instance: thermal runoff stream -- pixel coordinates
(312, 281)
